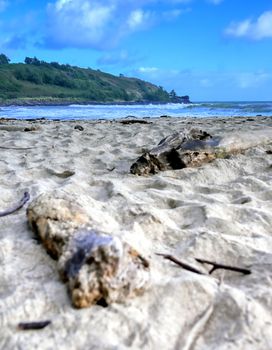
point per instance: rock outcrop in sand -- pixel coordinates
(99, 268)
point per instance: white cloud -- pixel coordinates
(78, 23)
(256, 30)
(137, 19)
(102, 23)
(148, 69)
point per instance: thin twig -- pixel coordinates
(17, 148)
(16, 207)
(26, 326)
(225, 267)
(180, 263)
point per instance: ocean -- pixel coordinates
(93, 112)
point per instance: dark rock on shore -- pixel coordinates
(177, 151)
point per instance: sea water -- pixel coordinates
(93, 112)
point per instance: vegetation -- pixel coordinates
(37, 81)
(4, 59)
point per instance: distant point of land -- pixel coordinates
(37, 82)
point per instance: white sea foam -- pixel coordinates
(91, 112)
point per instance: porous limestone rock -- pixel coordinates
(54, 217)
(98, 267)
(102, 268)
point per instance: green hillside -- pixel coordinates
(37, 81)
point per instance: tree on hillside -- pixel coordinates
(34, 60)
(4, 59)
(172, 95)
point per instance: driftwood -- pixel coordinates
(31, 128)
(134, 121)
(63, 174)
(111, 169)
(194, 147)
(26, 326)
(215, 265)
(177, 151)
(17, 206)
(181, 263)
(17, 148)
(18, 128)
(98, 268)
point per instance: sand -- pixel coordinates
(220, 211)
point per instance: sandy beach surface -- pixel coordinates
(221, 211)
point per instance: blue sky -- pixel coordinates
(209, 49)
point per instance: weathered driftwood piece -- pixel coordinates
(17, 206)
(191, 148)
(98, 268)
(37, 325)
(176, 151)
(134, 121)
(111, 169)
(181, 263)
(17, 148)
(18, 128)
(62, 174)
(216, 266)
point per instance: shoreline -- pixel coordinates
(119, 110)
(136, 119)
(84, 103)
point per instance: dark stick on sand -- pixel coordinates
(111, 169)
(26, 326)
(180, 263)
(134, 121)
(225, 267)
(16, 207)
(17, 148)
(216, 266)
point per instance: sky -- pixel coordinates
(211, 50)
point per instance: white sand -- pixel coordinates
(221, 211)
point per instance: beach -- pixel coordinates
(220, 212)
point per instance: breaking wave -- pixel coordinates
(92, 112)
